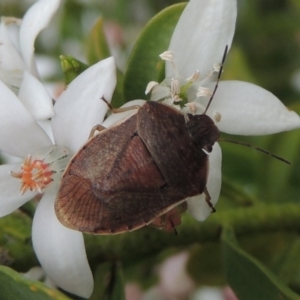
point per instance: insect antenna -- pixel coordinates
(218, 79)
(256, 148)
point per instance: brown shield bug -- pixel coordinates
(121, 179)
(138, 172)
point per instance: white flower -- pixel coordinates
(192, 65)
(60, 250)
(17, 64)
(17, 39)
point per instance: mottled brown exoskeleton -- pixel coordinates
(132, 173)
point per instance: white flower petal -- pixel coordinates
(10, 197)
(36, 19)
(197, 205)
(159, 92)
(80, 107)
(247, 109)
(201, 35)
(13, 26)
(10, 159)
(19, 134)
(35, 98)
(60, 250)
(11, 64)
(47, 127)
(114, 118)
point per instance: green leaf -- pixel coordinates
(288, 265)
(15, 286)
(144, 64)
(71, 67)
(15, 238)
(236, 193)
(109, 282)
(247, 276)
(117, 98)
(97, 47)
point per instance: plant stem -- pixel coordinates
(244, 221)
(133, 245)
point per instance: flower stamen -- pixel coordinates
(195, 76)
(216, 68)
(150, 86)
(175, 87)
(35, 175)
(167, 56)
(192, 106)
(217, 116)
(176, 98)
(204, 92)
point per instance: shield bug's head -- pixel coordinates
(203, 131)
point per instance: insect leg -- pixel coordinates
(121, 109)
(96, 128)
(207, 199)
